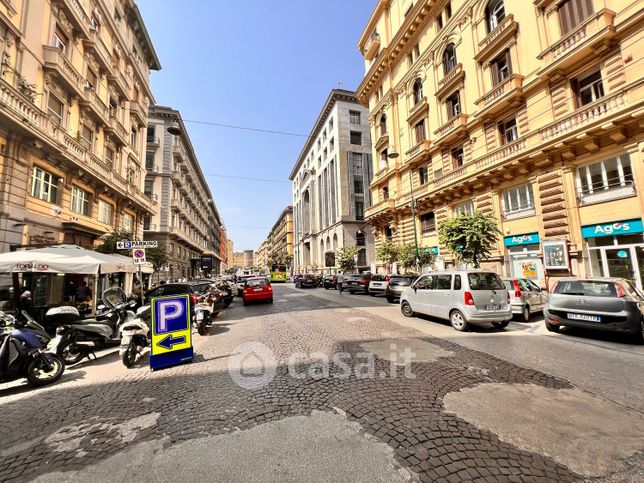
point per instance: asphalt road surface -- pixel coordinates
(320, 386)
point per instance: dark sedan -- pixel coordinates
(307, 280)
(357, 283)
(608, 304)
(329, 281)
(396, 284)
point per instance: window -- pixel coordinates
(428, 223)
(356, 137)
(457, 282)
(134, 134)
(324, 135)
(448, 10)
(131, 175)
(149, 161)
(501, 67)
(331, 124)
(453, 104)
(60, 40)
(148, 187)
(449, 58)
(418, 91)
(127, 223)
(104, 212)
(113, 107)
(55, 108)
(419, 129)
(384, 159)
(439, 21)
(466, 208)
(324, 154)
(443, 282)
(362, 258)
(44, 186)
(80, 201)
(354, 117)
(605, 175)
(389, 233)
(358, 172)
(93, 24)
(416, 51)
(517, 199)
(383, 124)
(572, 13)
(385, 193)
(359, 210)
(458, 157)
(91, 80)
(117, 15)
(331, 144)
(86, 137)
(423, 175)
(150, 134)
(494, 14)
(109, 156)
(410, 59)
(425, 283)
(508, 131)
(146, 222)
(360, 239)
(588, 89)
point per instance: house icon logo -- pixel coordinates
(252, 365)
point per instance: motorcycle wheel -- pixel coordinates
(201, 328)
(38, 375)
(129, 356)
(69, 356)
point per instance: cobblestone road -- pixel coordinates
(107, 409)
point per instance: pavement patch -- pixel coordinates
(588, 434)
(393, 350)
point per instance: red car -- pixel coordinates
(257, 289)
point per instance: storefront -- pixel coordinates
(524, 257)
(616, 249)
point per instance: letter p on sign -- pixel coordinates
(168, 311)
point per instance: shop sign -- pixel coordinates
(555, 254)
(613, 228)
(516, 240)
(432, 250)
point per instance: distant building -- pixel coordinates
(249, 258)
(279, 240)
(330, 185)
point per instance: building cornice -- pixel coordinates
(371, 24)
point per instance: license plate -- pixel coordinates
(53, 344)
(257, 290)
(586, 317)
(492, 307)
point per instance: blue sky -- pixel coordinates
(257, 63)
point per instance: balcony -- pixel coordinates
(589, 40)
(153, 142)
(76, 15)
(97, 107)
(95, 44)
(120, 133)
(372, 47)
(450, 81)
(451, 130)
(492, 41)
(139, 112)
(179, 152)
(382, 142)
(16, 106)
(419, 111)
(500, 155)
(56, 62)
(380, 208)
(118, 80)
(585, 116)
(418, 153)
(503, 97)
(614, 191)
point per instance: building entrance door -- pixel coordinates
(622, 262)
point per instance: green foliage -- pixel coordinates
(470, 237)
(109, 241)
(387, 252)
(157, 256)
(344, 258)
(280, 258)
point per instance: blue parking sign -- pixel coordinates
(171, 331)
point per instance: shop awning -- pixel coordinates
(64, 259)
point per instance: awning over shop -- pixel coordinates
(64, 259)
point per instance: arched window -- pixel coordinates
(335, 243)
(383, 124)
(418, 91)
(494, 14)
(360, 239)
(362, 258)
(449, 58)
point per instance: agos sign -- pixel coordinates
(526, 239)
(614, 228)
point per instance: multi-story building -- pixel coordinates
(249, 258)
(74, 95)
(528, 110)
(330, 182)
(187, 222)
(279, 240)
(240, 260)
(223, 249)
(263, 253)
(231, 253)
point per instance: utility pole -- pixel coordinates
(414, 211)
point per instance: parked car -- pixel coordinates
(241, 281)
(329, 281)
(357, 283)
(257, 289)
(396, 285)
(194, 289)
(526, 297)
(463, 297)
(378, 284)
(307, 280)
(609, 304)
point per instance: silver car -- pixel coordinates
(526, 297)
(463, 297)
(378, 284)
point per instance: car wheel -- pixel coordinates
(501, 325)
(406, 309)
(245, 303)
(372, 294)
(390, 299)
(457, 319)
(552, 327)
(526, 314)
(270, 301)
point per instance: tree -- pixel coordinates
(344, 258)
(157, 256)
(407, 256)
(470, 237)
(109, 241)
(387, 253)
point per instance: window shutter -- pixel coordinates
(508, 61)
(494, 67)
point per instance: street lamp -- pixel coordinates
(414, 211)
(392, 152)
(175, 129)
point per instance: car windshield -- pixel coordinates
(401, 280)
(586, 288)
(508, 284)
(485, 281)
(256, 283)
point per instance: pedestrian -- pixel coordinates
(26, 303)
(84, 292)
(339, 281)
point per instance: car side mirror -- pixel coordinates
(415, 287)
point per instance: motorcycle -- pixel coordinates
(135, 335)
(22, 352)
(206, 309)
(77, 337)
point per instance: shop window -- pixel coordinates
(44, 186)
(104, 212)
(453, 104)
(588, 89)
(428, 223)
(501, 67)
(508, 131)
(449, 59)
(80, 201)
(607, 179)
(518, 199)
(572, 13)
(419, 129)
(466, 208)
(494, 14)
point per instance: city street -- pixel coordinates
(316, 387)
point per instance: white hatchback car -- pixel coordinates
(463, 297)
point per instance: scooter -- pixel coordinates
(22, 352)
(206, 309)
(77, 338)
(135, 335)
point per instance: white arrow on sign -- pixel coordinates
(126, 245)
